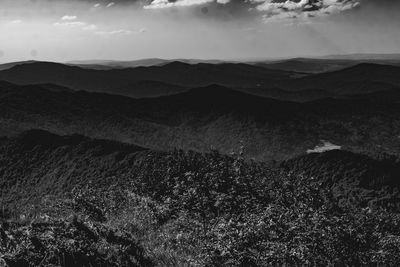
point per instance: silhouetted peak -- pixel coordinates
(367, 67)
(176, 64)
(42, 65)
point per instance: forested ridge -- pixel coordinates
(188, 208)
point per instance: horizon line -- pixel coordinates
(362, 56)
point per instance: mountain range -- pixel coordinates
(177, 77)
(124, 81)
(205, 163)
(209, 117)
(275, 114)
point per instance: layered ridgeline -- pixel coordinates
(172, 77)
(94, 179)
(175, 77)
(320, 65)
(209, 117)
(82, 202)
(360, 79)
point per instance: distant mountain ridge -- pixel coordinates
(176, 77)
(358, 79)
(120, 80)
(6, 66)
(147, 62)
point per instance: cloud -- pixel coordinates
(121, 32)
(182, 3)
(70, 24)
(293, 11)
(110, 4)
(69, 18)
(301, 9)
(114, 32)
(77, 24)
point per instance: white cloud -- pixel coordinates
(121, 32)
(69, 18)
(110, 4)
(114, 32)
(70, 24)
(303, 9)
(182, 3)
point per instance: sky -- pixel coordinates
(65, 30)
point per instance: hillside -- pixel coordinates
(10, 65)
(287, 95)
(360, 79)
(328, 64)
(37, 163)
(207, 117)
(308, 65)
(145, 89)
(122, 205)
(346, 173)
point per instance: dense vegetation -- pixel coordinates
(146, 208)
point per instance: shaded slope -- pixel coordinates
(305, 65)
(13, 64)
(286, 95)
(359, 79)
(352, 177)
(207, 117)
(143, 89)
(37, 163)
(187, 206)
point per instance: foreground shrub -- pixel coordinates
(74, 243)
(187, 209)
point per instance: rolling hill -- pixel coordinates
(308, 65)
(177, 77)
(147, 62)
(360, 79)
(328, 64)
(208, 117)
(123, 81)
(37, 163)
(10, 65)
(57, 164)
(67, 197)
